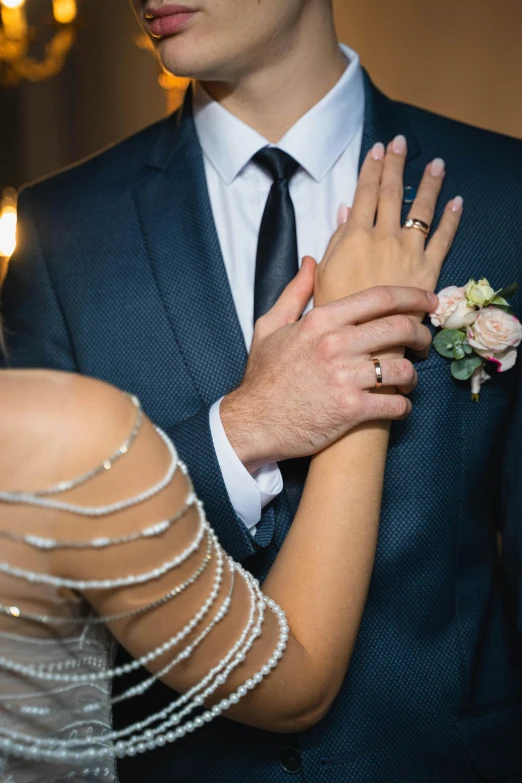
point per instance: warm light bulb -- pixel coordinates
(12, 3)
(7, 231)
(14, 20)
(65, 11)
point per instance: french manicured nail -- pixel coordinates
(434, 299)
(342, 215)
(437, 167)
(399, 144)
(457, 204)
(378, 151)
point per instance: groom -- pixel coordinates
(146, 266)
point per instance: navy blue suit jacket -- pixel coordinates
(119, 275)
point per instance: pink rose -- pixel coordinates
(495, 335)
(453, 311)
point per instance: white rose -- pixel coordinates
(495, 335)
(479, 293)
(453, 311)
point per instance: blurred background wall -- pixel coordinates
(462, 58)
(107, 89)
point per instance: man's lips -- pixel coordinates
(168, 19)
(167, 10)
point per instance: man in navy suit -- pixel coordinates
(146, 266)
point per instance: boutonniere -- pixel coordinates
(476, 326)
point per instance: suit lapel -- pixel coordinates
(180, 237)
(383, 120)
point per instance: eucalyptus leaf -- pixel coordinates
(459, 352)
(509, 291)
(464, 368)
(467, 348)
(445, 341)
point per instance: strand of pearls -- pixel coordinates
(166, 733)
(211, 682)
(223, 670)
(236, 653)
(138, 690)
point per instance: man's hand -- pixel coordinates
(308, 381)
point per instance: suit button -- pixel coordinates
(410, 194)
(290, 760)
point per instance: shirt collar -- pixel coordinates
(316, 141)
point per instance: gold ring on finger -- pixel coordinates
(419, 224)
(378, 373)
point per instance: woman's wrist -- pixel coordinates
(363, 448)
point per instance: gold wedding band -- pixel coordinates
(419, 224)
(378, 373)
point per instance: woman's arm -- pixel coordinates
(335, 531)
(328, 556)
(321, 575)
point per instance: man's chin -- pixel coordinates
(179, 59)
(193, 62)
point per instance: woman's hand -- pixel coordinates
(371, 248)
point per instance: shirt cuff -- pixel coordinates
(248, 493)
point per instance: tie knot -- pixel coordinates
(278, 164)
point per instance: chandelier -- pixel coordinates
(18, 37)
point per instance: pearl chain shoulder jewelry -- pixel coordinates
(108, 674)
(14, 611)
(165, 726)
(111, 584)
(29, 499)
(46, 748)
(102, 542)
(65, 486)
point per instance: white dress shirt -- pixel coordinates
(326, 142)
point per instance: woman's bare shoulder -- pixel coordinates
(56, 425)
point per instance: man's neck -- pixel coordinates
(272, 98)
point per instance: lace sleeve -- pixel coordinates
(61, 592)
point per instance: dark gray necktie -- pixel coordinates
(276, 265)
(276, 259)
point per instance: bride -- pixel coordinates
(104, 539)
